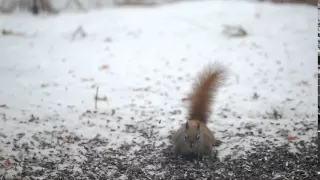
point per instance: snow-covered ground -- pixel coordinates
(144, 61)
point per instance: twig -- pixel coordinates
(96, 98)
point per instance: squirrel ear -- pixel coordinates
(187, 125)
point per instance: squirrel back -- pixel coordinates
(204, 90)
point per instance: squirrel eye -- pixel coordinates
(185, 136)
(198, 137)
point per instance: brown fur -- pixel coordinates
(204, 90)
(194, 137)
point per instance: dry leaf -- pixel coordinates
(6, 32)
(104, 66)
(8, 162)
(292, 138)
(86, 79)
(234, 31)
(186, 99)
(4, 106)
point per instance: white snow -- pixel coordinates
(160, 48)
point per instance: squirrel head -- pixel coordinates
(192, 134)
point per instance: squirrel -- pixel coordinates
(194, 137)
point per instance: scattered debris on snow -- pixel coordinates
(105, 106)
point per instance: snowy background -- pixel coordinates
(142, 61)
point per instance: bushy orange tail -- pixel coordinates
(204, 90)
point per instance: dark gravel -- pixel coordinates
(158, 162)
(62, 154)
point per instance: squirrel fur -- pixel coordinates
(194, 137)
